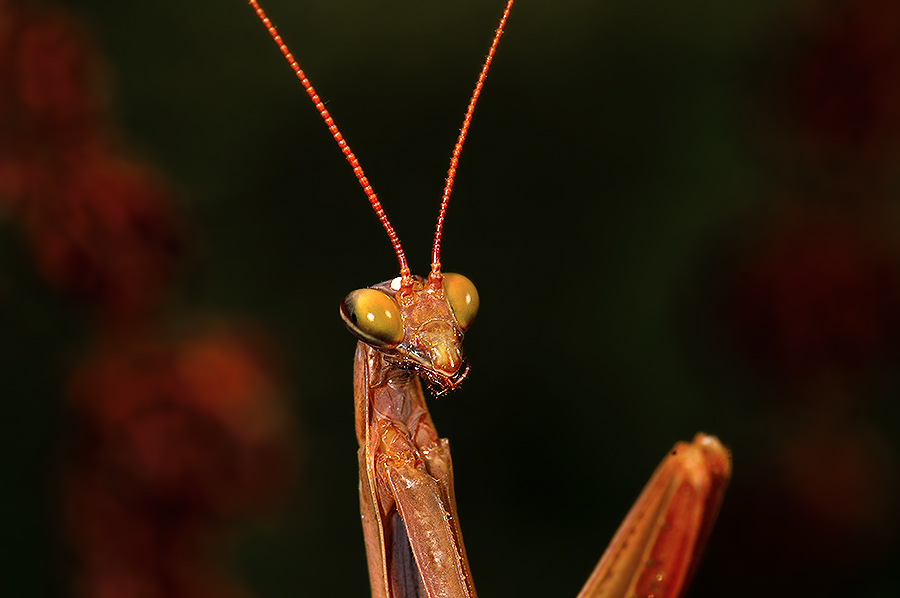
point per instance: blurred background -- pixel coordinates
(680, 218)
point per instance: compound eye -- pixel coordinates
(373, 318)
(462, 297)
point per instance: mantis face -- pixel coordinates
(419, 327)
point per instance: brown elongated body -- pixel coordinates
(413, 540)
(405, 476)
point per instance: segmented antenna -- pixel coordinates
(351, 158)
(435, 276)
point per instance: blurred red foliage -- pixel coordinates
(849, 77)
(173, 440)
(815, 293)
(107, 234)
(52, 99)
(170, 440)
(813, 301)
(104, 228)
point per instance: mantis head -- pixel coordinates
(418, 327)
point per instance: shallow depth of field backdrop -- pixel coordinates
(615, 206)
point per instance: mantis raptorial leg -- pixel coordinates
(411, 328)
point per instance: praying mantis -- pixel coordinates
(411, 328)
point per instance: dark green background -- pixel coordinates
(614, 150)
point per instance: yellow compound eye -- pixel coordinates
(373, 318)
(462, 297)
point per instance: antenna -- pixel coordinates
(348, 153)
(434, 278)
